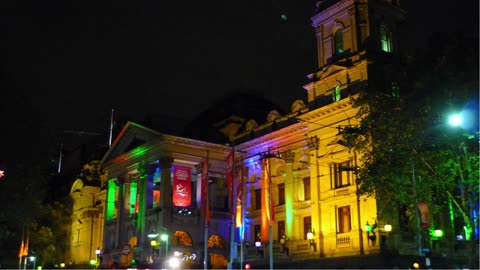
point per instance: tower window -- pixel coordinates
(385, 39)
(338, 42)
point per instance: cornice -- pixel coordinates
(276, 139)
(315, 114)
(330, 11)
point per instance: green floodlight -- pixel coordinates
(368, 228)
(435, 234)
(438, 233)
(455, 120)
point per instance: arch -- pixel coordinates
(182, 238)
(77, 186)
(385, 38)
(338, 42)
(216, 241)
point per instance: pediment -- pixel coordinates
(330, 70)
(132, 136)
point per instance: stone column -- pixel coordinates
(289, 158)
(166, 191)
(120, 229)
(320, 50)
(353, 27)
(145, 195)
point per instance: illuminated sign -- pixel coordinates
(182, 186)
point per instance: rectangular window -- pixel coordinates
(341, 174)
(307, 226)
(306, 188)
(257, 232)
(344, 223)
(281, 194)
(258, 199)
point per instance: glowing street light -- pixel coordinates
(455, 120)
(164, 238)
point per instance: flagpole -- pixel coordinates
(234, 207)
(20, 253)
(205, 235)
(242, 227)
(111, 130)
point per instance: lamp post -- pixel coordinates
(153, 242)
(310, 236)
(33, 260)
(97, 253)
(164, 238)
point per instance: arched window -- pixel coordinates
(385, 39)
(336, 94)
(338, 42)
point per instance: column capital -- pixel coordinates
(165, 161)
(288, 156)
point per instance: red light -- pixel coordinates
(247, 266)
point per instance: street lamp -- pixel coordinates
(387, 228)
(153, 242)
(97, 253)
(310, 236)
(455, 120)
(164, 238)
(33, 260)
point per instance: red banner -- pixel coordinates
(182, 186)
(424, 215)
(205, 207)
(239, 213)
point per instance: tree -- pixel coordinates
(401, 137)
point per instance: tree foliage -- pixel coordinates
(407, 136)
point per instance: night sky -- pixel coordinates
(67, 64)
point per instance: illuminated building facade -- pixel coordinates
(294, 186)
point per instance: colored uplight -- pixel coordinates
(247, 266)
(438, 233)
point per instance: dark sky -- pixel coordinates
(81, 59)
(69, 63)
